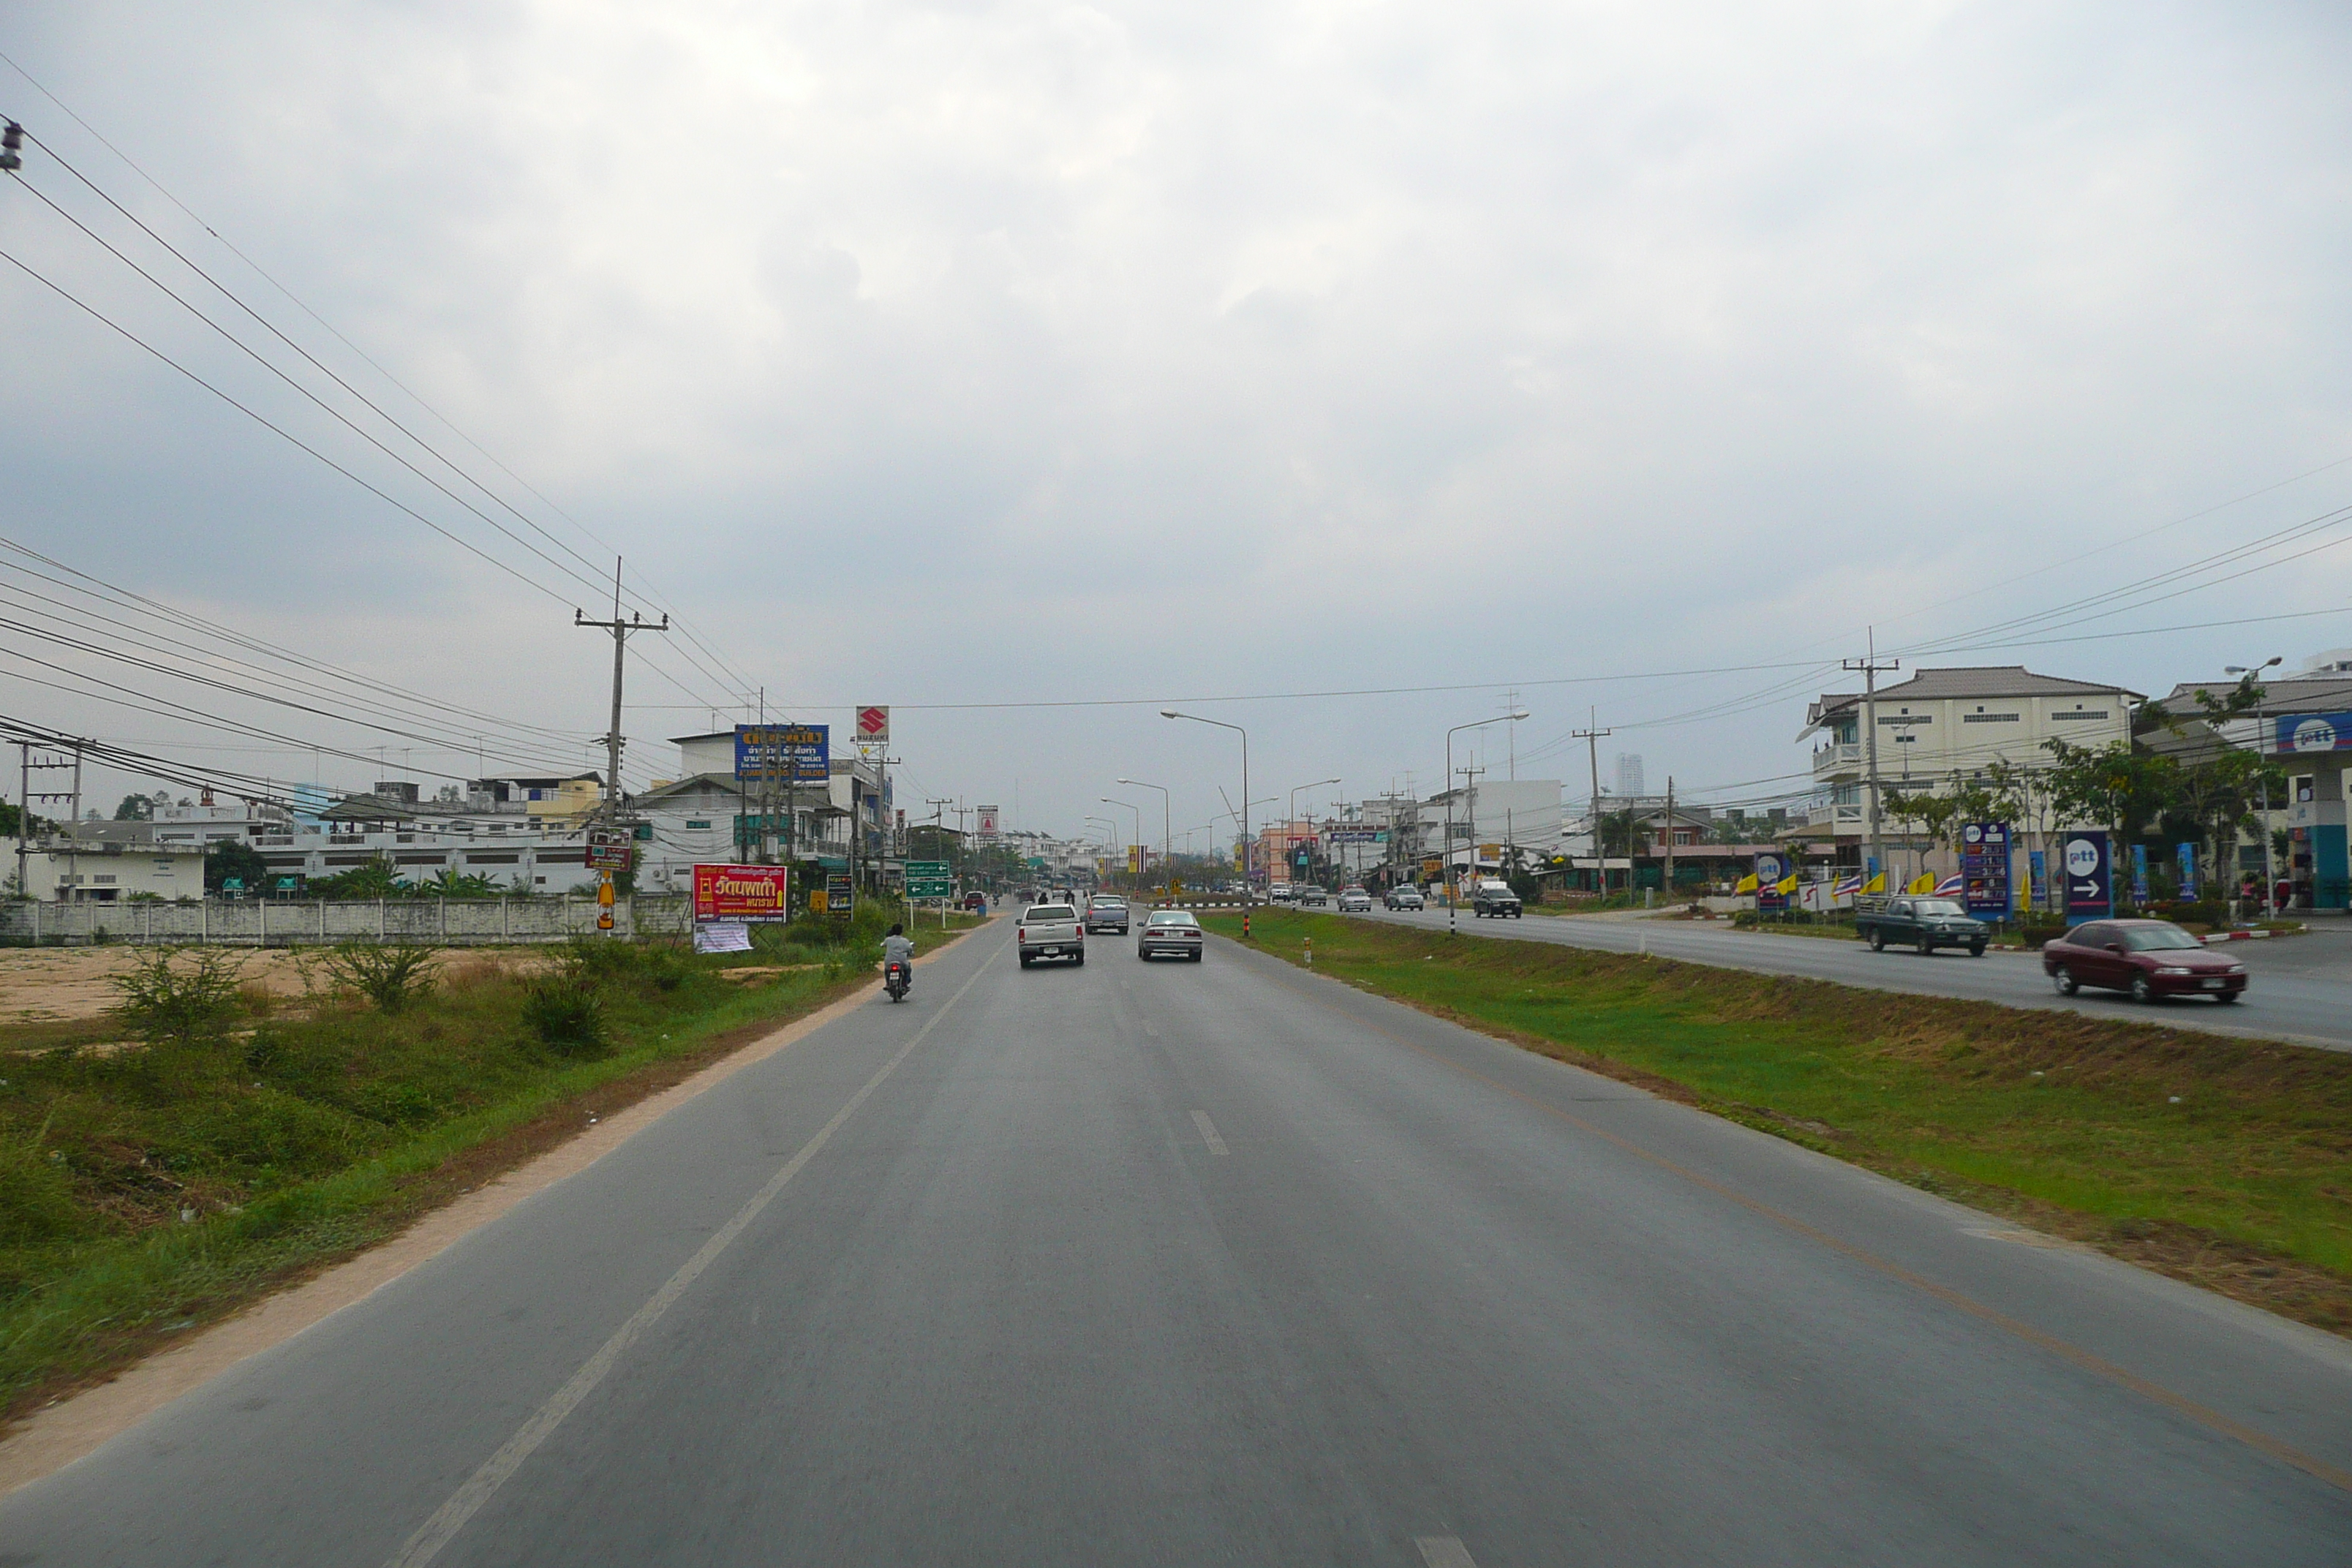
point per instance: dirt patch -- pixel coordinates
(72, 985)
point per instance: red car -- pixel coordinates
(2150, 959)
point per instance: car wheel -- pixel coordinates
(1026, 960)
(2141, 990)
(2064, 978)
(1927, 948)
(1976, 949)
(1879, 942)
(1196, 957)
(2229, 996)
(1081, 962)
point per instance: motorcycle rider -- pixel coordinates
(899, 948)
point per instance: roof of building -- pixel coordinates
(1966, 681)
(2286, 693)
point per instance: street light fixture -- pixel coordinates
(2262, 750)
(1236, 729)
(1166, 838)
(1453, 899)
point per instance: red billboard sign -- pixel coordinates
(874, 724)
(741, 892)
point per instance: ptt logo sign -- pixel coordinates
(2082, 858)
(2314, 732)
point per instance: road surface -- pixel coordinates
(2301, 987)
(1224, 1263)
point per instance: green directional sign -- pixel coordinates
(928, 880)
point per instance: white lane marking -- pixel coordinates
(1444, 1552)
(1208, 1133)
(452, 1516)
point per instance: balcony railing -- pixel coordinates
(1837, 757)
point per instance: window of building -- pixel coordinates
(1981, 717)
(699, 824)
(2081, 713)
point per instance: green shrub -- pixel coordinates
(392, 975)
(2038, 929)
(604, 960)
(36, 1200)
(567, 1016)
(183, 1003)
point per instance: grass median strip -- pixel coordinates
(168, 1163)
(2224, 1161)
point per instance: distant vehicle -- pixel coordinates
(1404, 895)
(1495, 897)
(1354, 901)
(1281, 893)
(976, 903)
(1308, 893)
(1106, 912)
(1051, 930)
(1170, 933)
(895, 979)
(1925, 923)
(2150, 959)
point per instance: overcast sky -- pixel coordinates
(1001, 352)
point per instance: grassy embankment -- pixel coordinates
(150, 1185)
(2224, 1161)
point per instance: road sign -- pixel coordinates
(2090, 876)
(928, 880)
(873, 726)
(609, 848)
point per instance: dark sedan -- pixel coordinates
(2150, 959)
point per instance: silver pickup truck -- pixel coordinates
(1050, 930)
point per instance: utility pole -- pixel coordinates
(620, 631)
(1870, 666)
(1670, 838)
(610, 812)
(1591, 739)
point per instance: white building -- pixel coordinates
(1509, 814)
(113, 868)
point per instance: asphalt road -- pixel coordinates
(1223, 1263)
(2301, 986)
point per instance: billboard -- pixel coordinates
(988, 815)
(873, 726)
(610, 849)
(1770, 870)
(1354, 834)
(2314, 732)
(742, 892)
(2090, 875)
(1984, 869)
(784, 753)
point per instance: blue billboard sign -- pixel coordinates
(2314, 732)
(2090, 868)
(1984, 869)
(783, 753)
(2188, 853)
(1770, 870)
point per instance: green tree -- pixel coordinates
(233, 859)
(374, 880)
(2119, 785)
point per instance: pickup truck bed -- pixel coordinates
(1051, 930)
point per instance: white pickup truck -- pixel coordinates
(1051, 930)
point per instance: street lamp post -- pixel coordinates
(1166, 837)
(1452, 892)
(1111, 837)
(1236, 729)
(1293, 810)
(1134, 878)
(2262, 750)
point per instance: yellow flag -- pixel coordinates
(1876, 884)
(1747, 884)
(1924, 883)
(1787, 884)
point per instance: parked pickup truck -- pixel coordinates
(1926, 923)
(1051, 930)
(1495, 897)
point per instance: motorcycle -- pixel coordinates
(898, 979)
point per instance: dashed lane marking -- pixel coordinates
(1209, 1132)
(1444, 1552)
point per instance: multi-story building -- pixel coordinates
(2303, 723)
(1939, 727)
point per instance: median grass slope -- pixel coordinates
(167, 1162)
(2221, 1161)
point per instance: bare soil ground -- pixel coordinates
(71, 985)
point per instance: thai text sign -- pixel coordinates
(791, 753)
(1984, 869)
(742, 892)
(609, 848)
(927, 879)
(1357, 836)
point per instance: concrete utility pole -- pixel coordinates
(1591, 739)
(1870, 667)
(1670, 839)
(1512, 717)
(620, 631)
